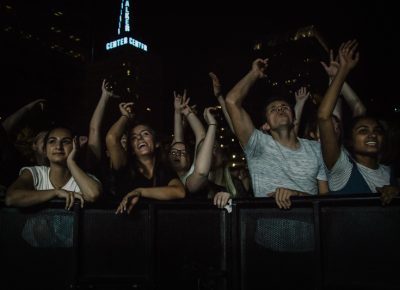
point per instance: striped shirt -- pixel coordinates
(339, 175)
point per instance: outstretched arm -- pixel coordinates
(202, 164)
(301, 96)
(242, 124)
(220, 98)
(13, 120)
(179, 101)
(94, 141)
(194, 122)
(329, 144)
(350, 96)
(118, 155)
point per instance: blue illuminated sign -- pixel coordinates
(124, 23)
(126, 40)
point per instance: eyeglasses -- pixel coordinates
(177, 152)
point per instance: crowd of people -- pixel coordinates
(131, 162)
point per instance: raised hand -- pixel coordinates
(181, 102)
(348, 57)
(40, 103)
(301, 94)
(126, 109)
(209, 117)
(107, 90)
(259, 67)
(333, 66)
(216, 84)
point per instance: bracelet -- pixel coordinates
(212, 124)
(125, 116)
(187, 115)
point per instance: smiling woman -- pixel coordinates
(358, 169)
(139, 171)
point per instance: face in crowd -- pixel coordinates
(367, 137)
(278, 114)
(142, 141)
(58, 145)
(178, 156)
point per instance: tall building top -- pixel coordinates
(124, 17)
(124, 29)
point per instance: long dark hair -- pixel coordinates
(159, 154)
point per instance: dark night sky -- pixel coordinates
(191, 37)
(194, 32)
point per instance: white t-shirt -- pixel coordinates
(340, 173)
(272, 165)
(41, 179)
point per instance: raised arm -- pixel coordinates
(203, 161)
(217, 93)
(13, 120)
(179, 101)
(90, 188)
(194, 122)
(242, 124)
(329, 144)
(117, 153)
(350, 96)
(301, 96)
(94, 141)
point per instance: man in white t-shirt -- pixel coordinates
(281, 165)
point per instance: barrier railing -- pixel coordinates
(320, 243)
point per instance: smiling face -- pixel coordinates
(142, 140)
(367, 137)
(58, 145)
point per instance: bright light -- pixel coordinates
(124, 41)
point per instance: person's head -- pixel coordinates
(142, 141)
(39, 148)
(365, 137)
(312, 129)
(58, 144)
(279, 113)
(124, 142)
(179, 156)
(219, 156)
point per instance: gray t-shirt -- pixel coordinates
(272, 165)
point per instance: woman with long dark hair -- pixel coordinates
(140, 170)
